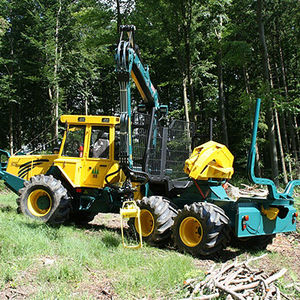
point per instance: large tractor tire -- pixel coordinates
(201, 229)
(254, 242)
(44, 198)
(157, 217)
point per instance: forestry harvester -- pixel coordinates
(133, 163)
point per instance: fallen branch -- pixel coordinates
(229, 291)
(276, 276)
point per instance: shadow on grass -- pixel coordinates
(111, 241)
(225, 255)
(111, 238)
(95, 227)
(7, 208)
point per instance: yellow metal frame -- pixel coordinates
(131, 210)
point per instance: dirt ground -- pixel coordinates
(285, 246)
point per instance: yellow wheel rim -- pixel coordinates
(147, 223)
(39, 203)
(191, 231)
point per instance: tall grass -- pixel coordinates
(73, 262)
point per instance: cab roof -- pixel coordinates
(87, 119)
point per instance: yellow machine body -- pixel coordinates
(26, 166)
(80, 170)
(210, 160)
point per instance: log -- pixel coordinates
(276, 276)
(232, 275)
(229, 291)
(285, 296)
(245, 286)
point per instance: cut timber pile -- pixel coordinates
(248, 191)
(235, 281)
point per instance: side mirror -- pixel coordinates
(4, 157)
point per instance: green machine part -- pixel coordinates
(13, 182)
(273, 193)
(273, 214)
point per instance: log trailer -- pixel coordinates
(136, 163)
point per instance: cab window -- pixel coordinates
(99, 146)
(75, 141)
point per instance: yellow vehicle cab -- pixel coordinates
(87, 153)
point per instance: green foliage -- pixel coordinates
(177, 39)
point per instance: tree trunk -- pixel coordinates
(86, 100)
(186, 110)
(56, 67)
(248, 91)
(270, 115)
(187, 14)
(119, 20)
(222, 97)
(11, 128)
(285, 178)
(221, 84)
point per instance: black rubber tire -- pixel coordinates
(254, 242)
(163, 215)
(60, 202)
(215, 228)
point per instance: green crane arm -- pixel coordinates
(130, 67)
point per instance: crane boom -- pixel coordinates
(130, 67)
(129, 64)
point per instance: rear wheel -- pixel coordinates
(156, 220)
(201, 229)
(44, 198)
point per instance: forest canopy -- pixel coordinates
(208, 59)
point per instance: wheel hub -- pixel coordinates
(191, 231)
(39, 203)
(147, 223)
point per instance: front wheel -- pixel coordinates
(44, 198)
(201, 229)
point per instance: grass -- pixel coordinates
(65, 262)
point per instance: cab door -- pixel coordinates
(99, 159)
(71, 157)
